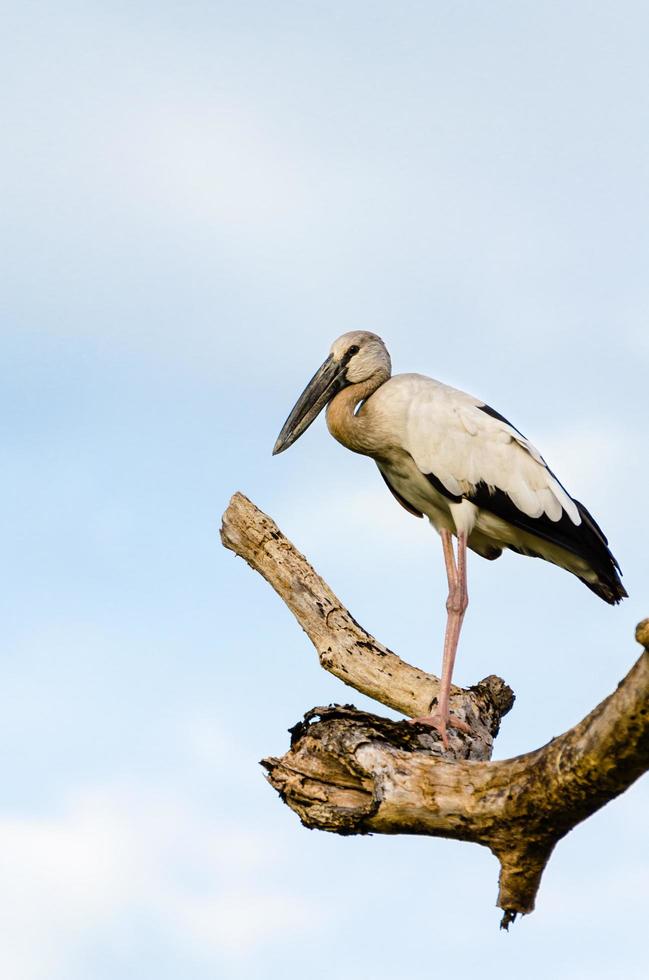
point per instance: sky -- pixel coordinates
(198, 198)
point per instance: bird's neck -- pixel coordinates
(345, 424)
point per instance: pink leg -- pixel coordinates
(456, 605)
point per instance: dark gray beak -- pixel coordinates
(328, 380)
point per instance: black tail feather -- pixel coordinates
(610, 590)
(586, 540)
(608, 586)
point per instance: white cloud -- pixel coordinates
(116, 852)
(61, 877)
(235, 922)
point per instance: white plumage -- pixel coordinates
(447, 455)
(446, 433)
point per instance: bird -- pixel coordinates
(450, 457)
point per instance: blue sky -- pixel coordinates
(198, 198)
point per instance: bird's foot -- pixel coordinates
(440, 724)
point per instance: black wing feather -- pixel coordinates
(586, 540)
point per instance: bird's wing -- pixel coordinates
(468, 451)
(474, 452)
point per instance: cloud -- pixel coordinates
(114, 854)
(61, 877)
(236, 922)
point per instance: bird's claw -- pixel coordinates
(441, 724)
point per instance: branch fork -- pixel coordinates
(351, 772)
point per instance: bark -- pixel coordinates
(346, 649)
(354, 773)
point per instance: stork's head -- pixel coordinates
(355, 357)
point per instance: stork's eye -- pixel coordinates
(353, 350)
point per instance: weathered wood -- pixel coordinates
(348, 651)
(355, 773)
(351, 772)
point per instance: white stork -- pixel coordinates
(447, 455)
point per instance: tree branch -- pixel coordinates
(345, 649)
(353, 773)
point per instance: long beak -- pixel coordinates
(325, 383)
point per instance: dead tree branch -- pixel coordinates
(345, 648)
(353, 773)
